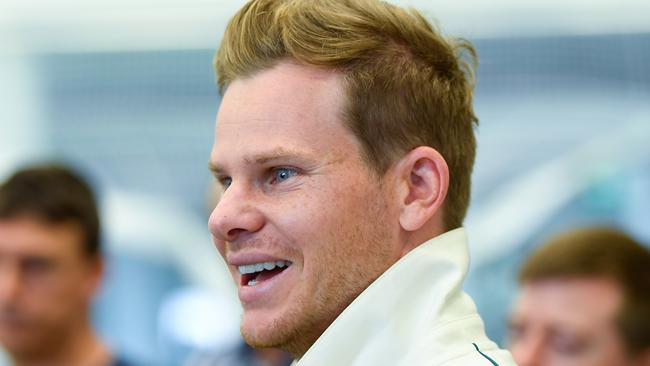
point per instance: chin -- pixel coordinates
(293, 325)
(282, 331)
(264, 331)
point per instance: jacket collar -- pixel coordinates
(405, 302)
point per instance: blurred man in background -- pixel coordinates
(585, 301)
(344, 144)
(50, 268)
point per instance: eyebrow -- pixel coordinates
(279, 153)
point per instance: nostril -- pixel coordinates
(234, 233)
(234, 218)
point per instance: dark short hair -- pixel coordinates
(601, 252)
(54, 194)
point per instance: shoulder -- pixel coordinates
(476, 355)
(117, 361)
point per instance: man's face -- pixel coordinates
(296, 193)
(567, 322)
(45, 283)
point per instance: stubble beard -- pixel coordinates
(297, 329)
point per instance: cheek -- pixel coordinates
(59, 298)
(220, 245)
(610, 350)
(320, 214)
(339, 228)
(44, 288)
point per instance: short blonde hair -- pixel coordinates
(407, 85)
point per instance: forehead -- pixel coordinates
(298, 90)
(25, 236)
(289, 107)
(570, 302)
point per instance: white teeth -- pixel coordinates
(252, 282)
(246, 269)
(259, 267)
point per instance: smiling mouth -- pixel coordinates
(255, 273)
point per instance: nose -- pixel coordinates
(236, 215)
(527, 352)
(9, 282)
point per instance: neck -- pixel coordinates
(78, 346)
(414, 239)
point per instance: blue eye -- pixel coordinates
(282, 174)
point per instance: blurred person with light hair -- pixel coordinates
(50, 268)
(584, 301)
(344, 144)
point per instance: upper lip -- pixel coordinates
(242, 259)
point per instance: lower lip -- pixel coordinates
(264, 289)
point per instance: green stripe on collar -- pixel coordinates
(484, 355)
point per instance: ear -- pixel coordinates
(424, 180)
(95, 275)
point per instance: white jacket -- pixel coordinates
(416, 313)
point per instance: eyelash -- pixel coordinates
(224, 181)
(227, 181)
(275, 171)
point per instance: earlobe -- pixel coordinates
(425, 176)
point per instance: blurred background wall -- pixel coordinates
(125, 91)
